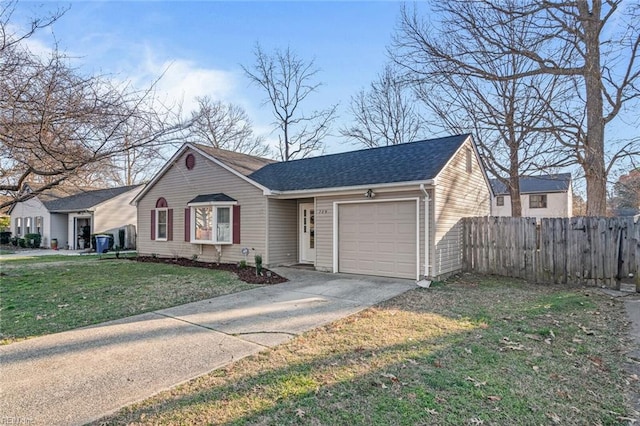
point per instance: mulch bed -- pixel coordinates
(246, 274)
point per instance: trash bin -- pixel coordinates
(102, 243)
(54, 244)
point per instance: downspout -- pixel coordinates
(425, 282)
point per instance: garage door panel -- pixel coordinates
(378, 238)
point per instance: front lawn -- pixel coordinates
(476, 351)
(56, 293)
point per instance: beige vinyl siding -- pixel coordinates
(324, 221)
(458, 194)
(179, 186)
(115, 213)
(283, 232)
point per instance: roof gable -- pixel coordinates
(409, 162)
(533, 184)
(239, 164)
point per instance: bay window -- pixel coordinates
(212, 224)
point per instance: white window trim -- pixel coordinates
(214, 221)
(19, 227)
(166, 232)
(499, 198)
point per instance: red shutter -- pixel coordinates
(153, 224)
(236, 224)
(169, 224)
(187, 224)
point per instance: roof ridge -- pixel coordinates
(207, 147)
(375, 148)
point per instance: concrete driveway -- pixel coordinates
(81, 375)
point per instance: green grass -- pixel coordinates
(57, 293)
(477, 351)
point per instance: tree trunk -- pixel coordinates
(514, 182)
(594, 168)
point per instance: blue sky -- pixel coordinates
(203, 44)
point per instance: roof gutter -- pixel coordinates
(355, 188)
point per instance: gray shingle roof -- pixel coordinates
(532, 184)
(207, 198)
(409, 162)
(242, 163)
(85, 200)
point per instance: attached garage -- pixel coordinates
(378, 238)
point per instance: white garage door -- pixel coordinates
(378, 239)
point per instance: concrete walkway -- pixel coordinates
(81, 375)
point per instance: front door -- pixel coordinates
(307, 233)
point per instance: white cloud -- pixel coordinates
(182, 80)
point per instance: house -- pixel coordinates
(390, 211)
(69, 219)
(541, 196)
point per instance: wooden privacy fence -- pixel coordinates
(595, 251)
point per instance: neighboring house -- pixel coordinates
(541, 196)
(64, 218)
(359, 212)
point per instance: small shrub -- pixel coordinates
(33, 240)
(14, 241)
(242, 264)
(5, 237)
(194, 257)
(154, 255)
(258, 259)
(22, 242)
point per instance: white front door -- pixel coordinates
(307, 233)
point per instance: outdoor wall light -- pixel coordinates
(369, 193)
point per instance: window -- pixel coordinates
(212, 224)
(18, 226)
(39, 225)
(500, 200)
(161, 224)
(162, 221)
(538, 201)
(27, 225)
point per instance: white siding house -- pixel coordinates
(541, 196)
(62, 219)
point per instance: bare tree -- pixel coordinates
(384, 114)
(509, 118)
(56, 123)
(594, 46)
(288, 81)
(627, 191)
(225, 126)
